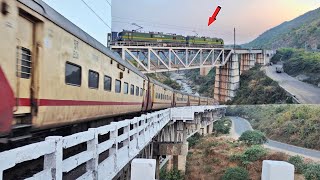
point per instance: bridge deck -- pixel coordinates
(126, 140)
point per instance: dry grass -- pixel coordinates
(209, 159)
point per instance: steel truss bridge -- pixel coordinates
(151, 59)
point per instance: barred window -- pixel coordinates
(24, 62)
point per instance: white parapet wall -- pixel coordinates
(133, 141)
(143, 169)
(277, 170)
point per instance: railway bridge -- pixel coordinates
(229, 63)
(110, 149)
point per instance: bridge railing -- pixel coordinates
(122, 141)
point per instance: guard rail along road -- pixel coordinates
(137, 133)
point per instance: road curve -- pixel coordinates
(305, 93)
(240, 125)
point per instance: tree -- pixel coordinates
(253, 137)
(222, 126)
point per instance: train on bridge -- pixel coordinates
(135, 38)
(55, 75)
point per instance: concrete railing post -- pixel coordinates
(54, 161)
(92, 165)
(114, 150)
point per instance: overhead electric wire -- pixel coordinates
(168, 26)
(96, 14)
(190, 29)
(108, 2)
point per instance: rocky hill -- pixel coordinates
(301, 32)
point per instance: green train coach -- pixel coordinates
(133, 37)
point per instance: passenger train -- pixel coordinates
(53, 74)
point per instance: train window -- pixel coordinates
(126, 88)
(24, 70)
(93, 79)
(141, 92)
(132, 89)
(73, 74)
(118, 86)
(107, 83)
(137, 91)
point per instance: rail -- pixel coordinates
(126, 139)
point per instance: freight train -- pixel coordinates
(53, 74)
(141, 38)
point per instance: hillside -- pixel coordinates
(204, 85)
(301, 32)
(257, 88)
(293, 124)
(301, 64)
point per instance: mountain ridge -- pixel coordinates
(301, 32)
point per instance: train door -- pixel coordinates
(145, 97)
(25, 46)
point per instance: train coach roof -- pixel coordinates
(46, 11)
(160, 84)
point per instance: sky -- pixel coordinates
(187, 17)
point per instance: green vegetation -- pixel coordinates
(312, 172)
(293, 124)
(222, 126)
(253, 137)
(251, 154)
(171, 175)
(299, 62)
(257, 88)
(193, 140)
(304, 31)
(309, 170)
(298, 163)
(165, 79)
(236, 173)
(205, 83)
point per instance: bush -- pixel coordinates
(171, 175)
(193, 140)
(253, 137)
(253, 153)
(298, 163)
(312, 172)
(236, 173)
(222, 126)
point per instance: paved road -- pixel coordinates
(241, 125)
(305, 93)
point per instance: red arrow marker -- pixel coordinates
(213, 17)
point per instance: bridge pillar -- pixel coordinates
(227, 80)
(205, 71)
(260, 60)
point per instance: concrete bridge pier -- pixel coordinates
(227, 79)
